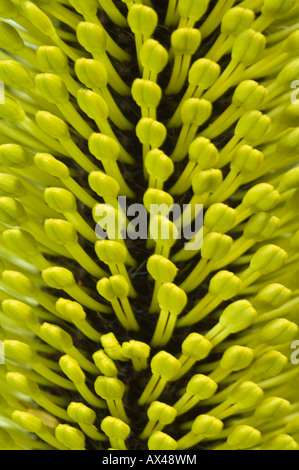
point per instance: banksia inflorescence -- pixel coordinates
(149, 342)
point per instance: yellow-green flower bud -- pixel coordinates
(56, 336)
(60, 199)
(115, 428)
(61, 231)
(185, 41)
(142, 19)
(22, 384)
(135, 349)
(248, 47)
(237, 316)
(69, 436)
(70, 310)
(158, 164)
(249, 95)
(154, 197)
(150, 131)
(163, 230)
(11, 110)
(268, 259)
(246, 395)
(235, 20)
(201, 386)
(21, 241)
(216, 246)
(19, 283)
(12, 73)
(146, 93)
(236, 358)
(92, 37)
(51, 165)
(165, 365)
(52, 59)
(246, 160)
(207, 425)
(261, 226)
(93, 105)
(37, 17)
(111, 346)
(103, 147)
(71, 369)
(52, 87)
(244, 437)
(20, 352)
(110, 251)
(162, 413)
(15, 156)
(19, 311)
(252, 126)
(52, 125)
(105, 364)
(153, 56)
(196, 346)
(91, 73)
(81, 413)
(272, 296)
(206, 181)
(225, 285)
(11, 185)
(28, 421)
(203, 73)
(102, 184)
(113, 287)
(278, 331)
(269, 364)
(161, 269)
(58, 277)
(160, 441)
(196, 111)
(109, 388)
(219, 217)
(172, 298)
(272, 408)
(261, 197)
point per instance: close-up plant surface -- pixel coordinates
(149, 191)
